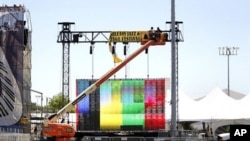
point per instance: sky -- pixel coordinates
(207, 25)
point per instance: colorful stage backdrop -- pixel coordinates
(122, 104)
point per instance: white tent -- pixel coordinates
(217, 105)
(187, 108)
(242, 107)
(216, 109)
(210, 107)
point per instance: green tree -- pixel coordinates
(33, 106)
(57, 102)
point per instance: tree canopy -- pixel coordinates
(57, 102)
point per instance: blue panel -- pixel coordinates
(105, 93)
(83, 105)
(127, 91)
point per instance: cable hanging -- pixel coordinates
(91, 51)
(146, 51)
(113, 51)
(125, 50)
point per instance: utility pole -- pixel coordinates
(176, 36)
(47, 103)
(173, 72)
(228, 51)
(41, 94)
(41, 99)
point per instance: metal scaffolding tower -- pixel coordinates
(176, 37)
(66, 36)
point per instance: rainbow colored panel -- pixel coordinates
(83, 105)
(127, 104)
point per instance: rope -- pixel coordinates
(147, 64)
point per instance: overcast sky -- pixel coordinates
(208, 25)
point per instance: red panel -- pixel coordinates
(148, 105)
(147, 82)
(148, 121)
(153, 82)
(154, 121)
(160, 104)
(150, 102)
(160, 110)
(160, 121)
(161, 82)
(153, 110)
(160, 97)
(148, 110)
(160, 88)
(150, 82)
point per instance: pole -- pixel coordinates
(41, 99)
(228, 51)
(173, 71)
(65, 37)
(37, 105)
(41, 106)
(228, 75)
(47, 105)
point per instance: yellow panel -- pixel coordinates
(105, 109)
(110, 121)
(116, 98)
(126, 36)
(116, 108)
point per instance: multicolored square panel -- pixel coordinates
(122, 104)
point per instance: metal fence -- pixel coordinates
(28, 137)
(146, 139)
(14, 137)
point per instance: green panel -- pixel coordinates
(138, 98)
(139, 91)
(133, 108)
(133, 119)
(116, 86)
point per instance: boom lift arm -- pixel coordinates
(63, 131)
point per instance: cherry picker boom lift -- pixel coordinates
(63, 131)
